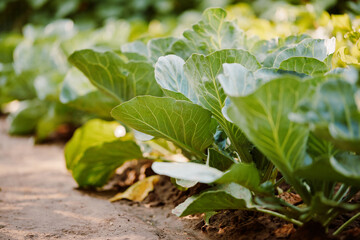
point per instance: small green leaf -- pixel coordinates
(55, 115)
(169, 74)
(244, 174)
(218, 160)
(135, 47)
(186, 124)
(212, 33)
(231, 196)
(309, 66)
(312, 48)
(159, 47)
(25, 119)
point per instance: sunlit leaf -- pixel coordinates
(186, 124)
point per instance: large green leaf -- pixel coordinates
(186, 124)
(104, 70)
(231, 196)
(110, 73)
(94, 152)
(99, 162)
(79, 93)
(94, 132)
(263, 116)
(169, 74)
(310, 66)
(202, 72)
(332, 114)
(212, 33)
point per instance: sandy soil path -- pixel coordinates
(38, 201)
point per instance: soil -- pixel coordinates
(40, 200)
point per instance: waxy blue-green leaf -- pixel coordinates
(332, 114)
(42, 58)
(169, 74)
(231, 196)
(79, 93)
(187, 171)
(263, 116)
(212, 33)
(47, 86)
(237, 80)
(186, 124)
(309, 66)
(241, 173)
(137, 47)
(312, 48)
(202, 72)
(267, 53)
(110, 73)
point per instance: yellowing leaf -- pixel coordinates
(139, 191)
(341, 23)
(343, 58)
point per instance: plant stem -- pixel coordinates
(281, 180)
(279, 215)
(268, 172)
(340, 193)
(244, 155)
(347, 223)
